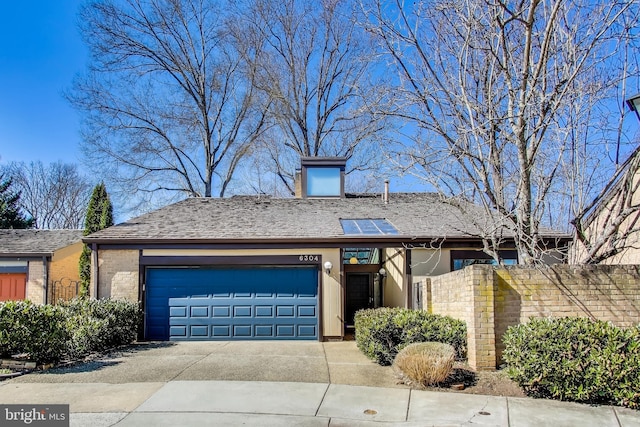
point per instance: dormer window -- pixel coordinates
(323, 176)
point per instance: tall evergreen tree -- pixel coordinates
(10, 215)
(99, 216)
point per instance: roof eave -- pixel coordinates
(391, 239)
(26, 254)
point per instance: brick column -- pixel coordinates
(35, 282)
(481, 339)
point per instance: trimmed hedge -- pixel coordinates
(37, 330)
(49, 333)
(382, 332)
(575, 358)
(97, 325)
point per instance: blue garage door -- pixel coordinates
(232, 303)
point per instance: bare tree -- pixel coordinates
(610, 225)
(55, 196)
(168, 102)
(501, 96)
(314, 66)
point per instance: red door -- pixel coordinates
(12, 286)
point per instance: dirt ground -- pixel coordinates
(492, 383)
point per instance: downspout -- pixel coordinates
(94, 270)
(45, 278)
(408, 278)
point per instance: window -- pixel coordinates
(322, 177)
(323, 182)
(361, 256)
(462, 259)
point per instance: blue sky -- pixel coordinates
(40, 52)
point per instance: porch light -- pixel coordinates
(382, 272)
(327, 267)
(634, 104)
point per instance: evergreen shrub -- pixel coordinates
(50, 333)
(575, 358)
(382, 332)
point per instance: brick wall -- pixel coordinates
(35, 282)
(118, 272)
(463, 295)
(491, 299)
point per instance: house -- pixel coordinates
(608, 231)
(257, 267)
(39, 265)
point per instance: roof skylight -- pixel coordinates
(367, 226)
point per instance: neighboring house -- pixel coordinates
(39, 265)
(608, 231)
(256, 267)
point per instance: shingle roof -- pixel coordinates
(414, 215)
(36, 242)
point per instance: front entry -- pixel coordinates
(358, 295)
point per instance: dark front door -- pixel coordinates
(358, 294)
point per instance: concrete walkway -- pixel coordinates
(194, 384)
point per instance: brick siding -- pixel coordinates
(35, 282)
(118, 274)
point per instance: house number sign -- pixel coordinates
(309, 258)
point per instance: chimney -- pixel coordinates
(298, 184)
(385, 197)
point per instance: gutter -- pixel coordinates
(326, 241)
(45, 278)
(26, 255)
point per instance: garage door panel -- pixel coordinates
(307, 311)
(264, 311)
(221, 332)
(259, 303)
(178, 311)
(269, 295)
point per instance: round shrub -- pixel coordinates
(424, 364)
(382, 332)
(575, 358)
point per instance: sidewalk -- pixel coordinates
(260, 403)
(274, 384)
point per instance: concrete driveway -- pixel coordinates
(284, 361)
(274, 384)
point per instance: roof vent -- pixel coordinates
(385, 196)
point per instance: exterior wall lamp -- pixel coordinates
(382, 272)
(327, 267)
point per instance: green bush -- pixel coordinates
(97, 325)
(49, 333)
(37, 330)
(575, 359)
(382, 332)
